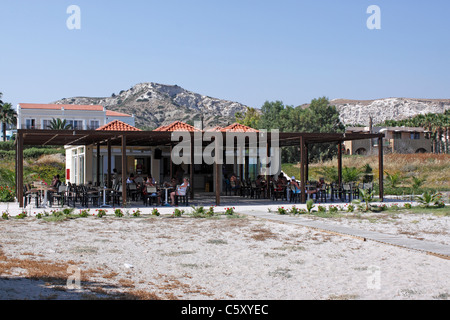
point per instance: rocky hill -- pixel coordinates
(358, 112)
(156, 104)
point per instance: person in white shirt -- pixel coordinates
(181, 190)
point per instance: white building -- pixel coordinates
(81, 117)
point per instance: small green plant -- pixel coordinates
(282, 211)
(393, 179)
(118, 213)
(428, 199)
(367, 197)
(100, 213)
(417, 182)
(350, 208)
(155, 212)
(84, 213)
(294, 210)
(332, 209)
(177, 213)
(39, 215)
(210, 212)
(68, 211)
(309, 205)
(201, 212)
(57, 213)
(5, 215)
(321, 209)
(6, 194)
(136, 213)
(229, 211)
(22, 215)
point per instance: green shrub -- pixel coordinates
(177, 213)
(6, 194)
(309, 205)
(118, 213)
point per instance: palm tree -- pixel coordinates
(7, 116)
(58, 124)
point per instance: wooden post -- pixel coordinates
(302, 169)
(218, 172)
(108, 174)
(19, 173)
(267, 166)
(191, 168)
(98, 164)
(124, 170)
(170, 163)
(340, 163)
(380, 167)
(307, 162)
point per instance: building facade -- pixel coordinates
(39, 116)
(397, 140)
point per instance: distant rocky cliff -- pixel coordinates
(358, 112)
(156, 104)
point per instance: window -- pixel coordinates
(94, 124)
(415, 136)
(30, 124)
(76, 124)
(46, 124)
(397, 135)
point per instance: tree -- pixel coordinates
(251, 118)
(7, 116)
(318, 117)
(58, 124)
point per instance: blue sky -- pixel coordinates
(248, 51)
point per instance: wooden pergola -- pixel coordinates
(126, 139)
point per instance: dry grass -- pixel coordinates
(435, 168)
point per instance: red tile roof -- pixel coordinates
(214, 129)
(237, 127)
(60, 106)
(178, 126)
(116, 114)
(118, 125)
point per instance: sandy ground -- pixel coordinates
(221, 258)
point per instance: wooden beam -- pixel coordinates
(48, 141)
(124, 170)
(381, 168)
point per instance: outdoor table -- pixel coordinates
(104, 189)
(44, 189)
(166, 202)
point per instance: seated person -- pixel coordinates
(295, 184)
(181, 190)
(149, 182)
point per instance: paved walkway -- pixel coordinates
(437, 249)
